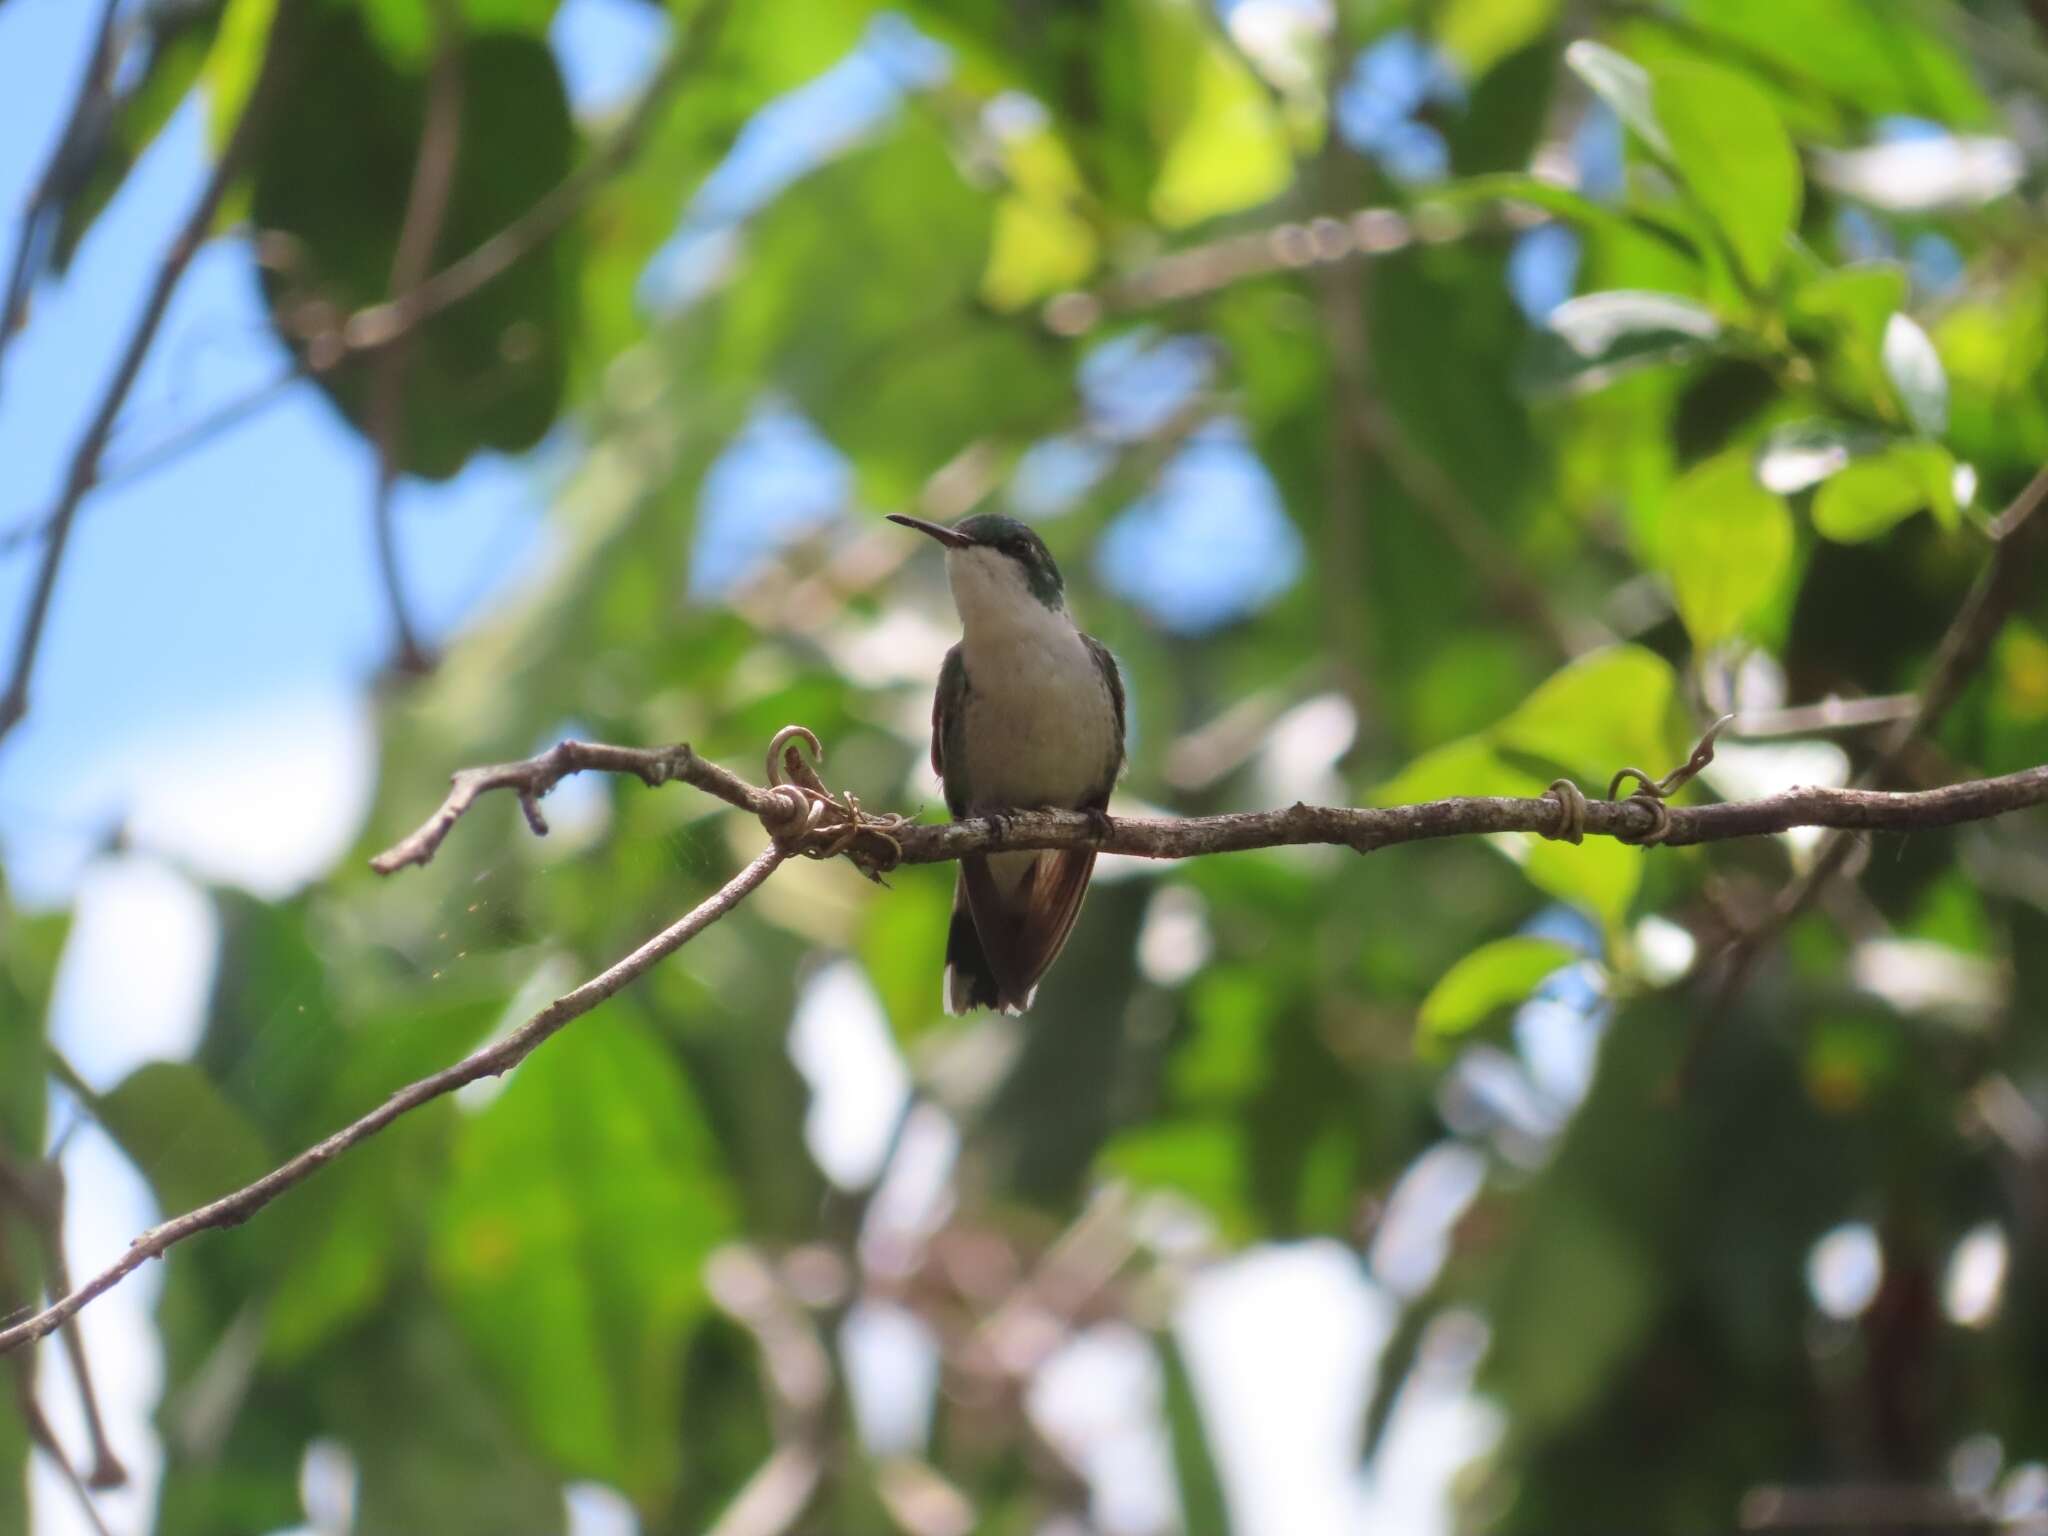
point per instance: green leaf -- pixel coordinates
(190, 1142)
(1596, 338)
(1623, 84)
(1599, 876)
(1468, 766)
(571, 1242)
(1203, 1508)
(1607, 710)
(488, 372)
(1729, 545)
(29, 955)
(1736, 157)
(1494, 976)
(1480, 33)
(1914, 368)
(1230, 151)
(1871, 496)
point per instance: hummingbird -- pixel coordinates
(1029, 715)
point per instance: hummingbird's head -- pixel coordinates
(993, 563)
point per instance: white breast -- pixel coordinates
(1040, 728)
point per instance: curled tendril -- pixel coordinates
(1654, 792)
(777, 766)
(1571, 800)
(807, 818)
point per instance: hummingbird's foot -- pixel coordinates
(1099, 822)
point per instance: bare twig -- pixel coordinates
(491, 1061)
(85, 458)
(36, 1189)
(68, 164)
(426, 208)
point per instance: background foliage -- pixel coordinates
(1423, 399)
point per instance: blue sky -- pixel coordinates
(242, 574)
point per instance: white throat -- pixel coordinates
(997, 607)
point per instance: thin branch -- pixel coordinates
(385, 324)
(426, 209)
(66, 166)
(1361, 828)
(1829, 714)
(490, 1061)
(36, 1189)
(85, 458)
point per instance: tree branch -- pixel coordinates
(85, 458)
(426, 207)
(69, 163)
(491, 1061)
(1629, 820)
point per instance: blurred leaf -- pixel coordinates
(1729, 544)
(1597, 337)
(1468, 766)
(1203, 1159)
(1039, 243)
(1574, 1302)
(1879, 59)
(903, 375)
(1203, 1508)
(409, 1401)
(1494, 976)
(175, 45)
(405, 28)
(571, 1243)
(1607, 710)
(1872, 495)
(1914, 368)
(1600, 876)
(329, 178)
(190, 1143)
(1480, 33)
(28, 972)
(1727, 141)
(1624, 85)
(1220, 143)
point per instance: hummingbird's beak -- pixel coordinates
(951, 538)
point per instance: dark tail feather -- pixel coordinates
(970, 979)
(1001, 944)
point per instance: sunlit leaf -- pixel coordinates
(1480, 33)
(1232, 150)
(1725, 136)
(1729, 545)
(1623, 84)
(1872, 495)
(1468, 766)
(1914, 368)
(1607, 710)
(1597, 337)
(1494, 976)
